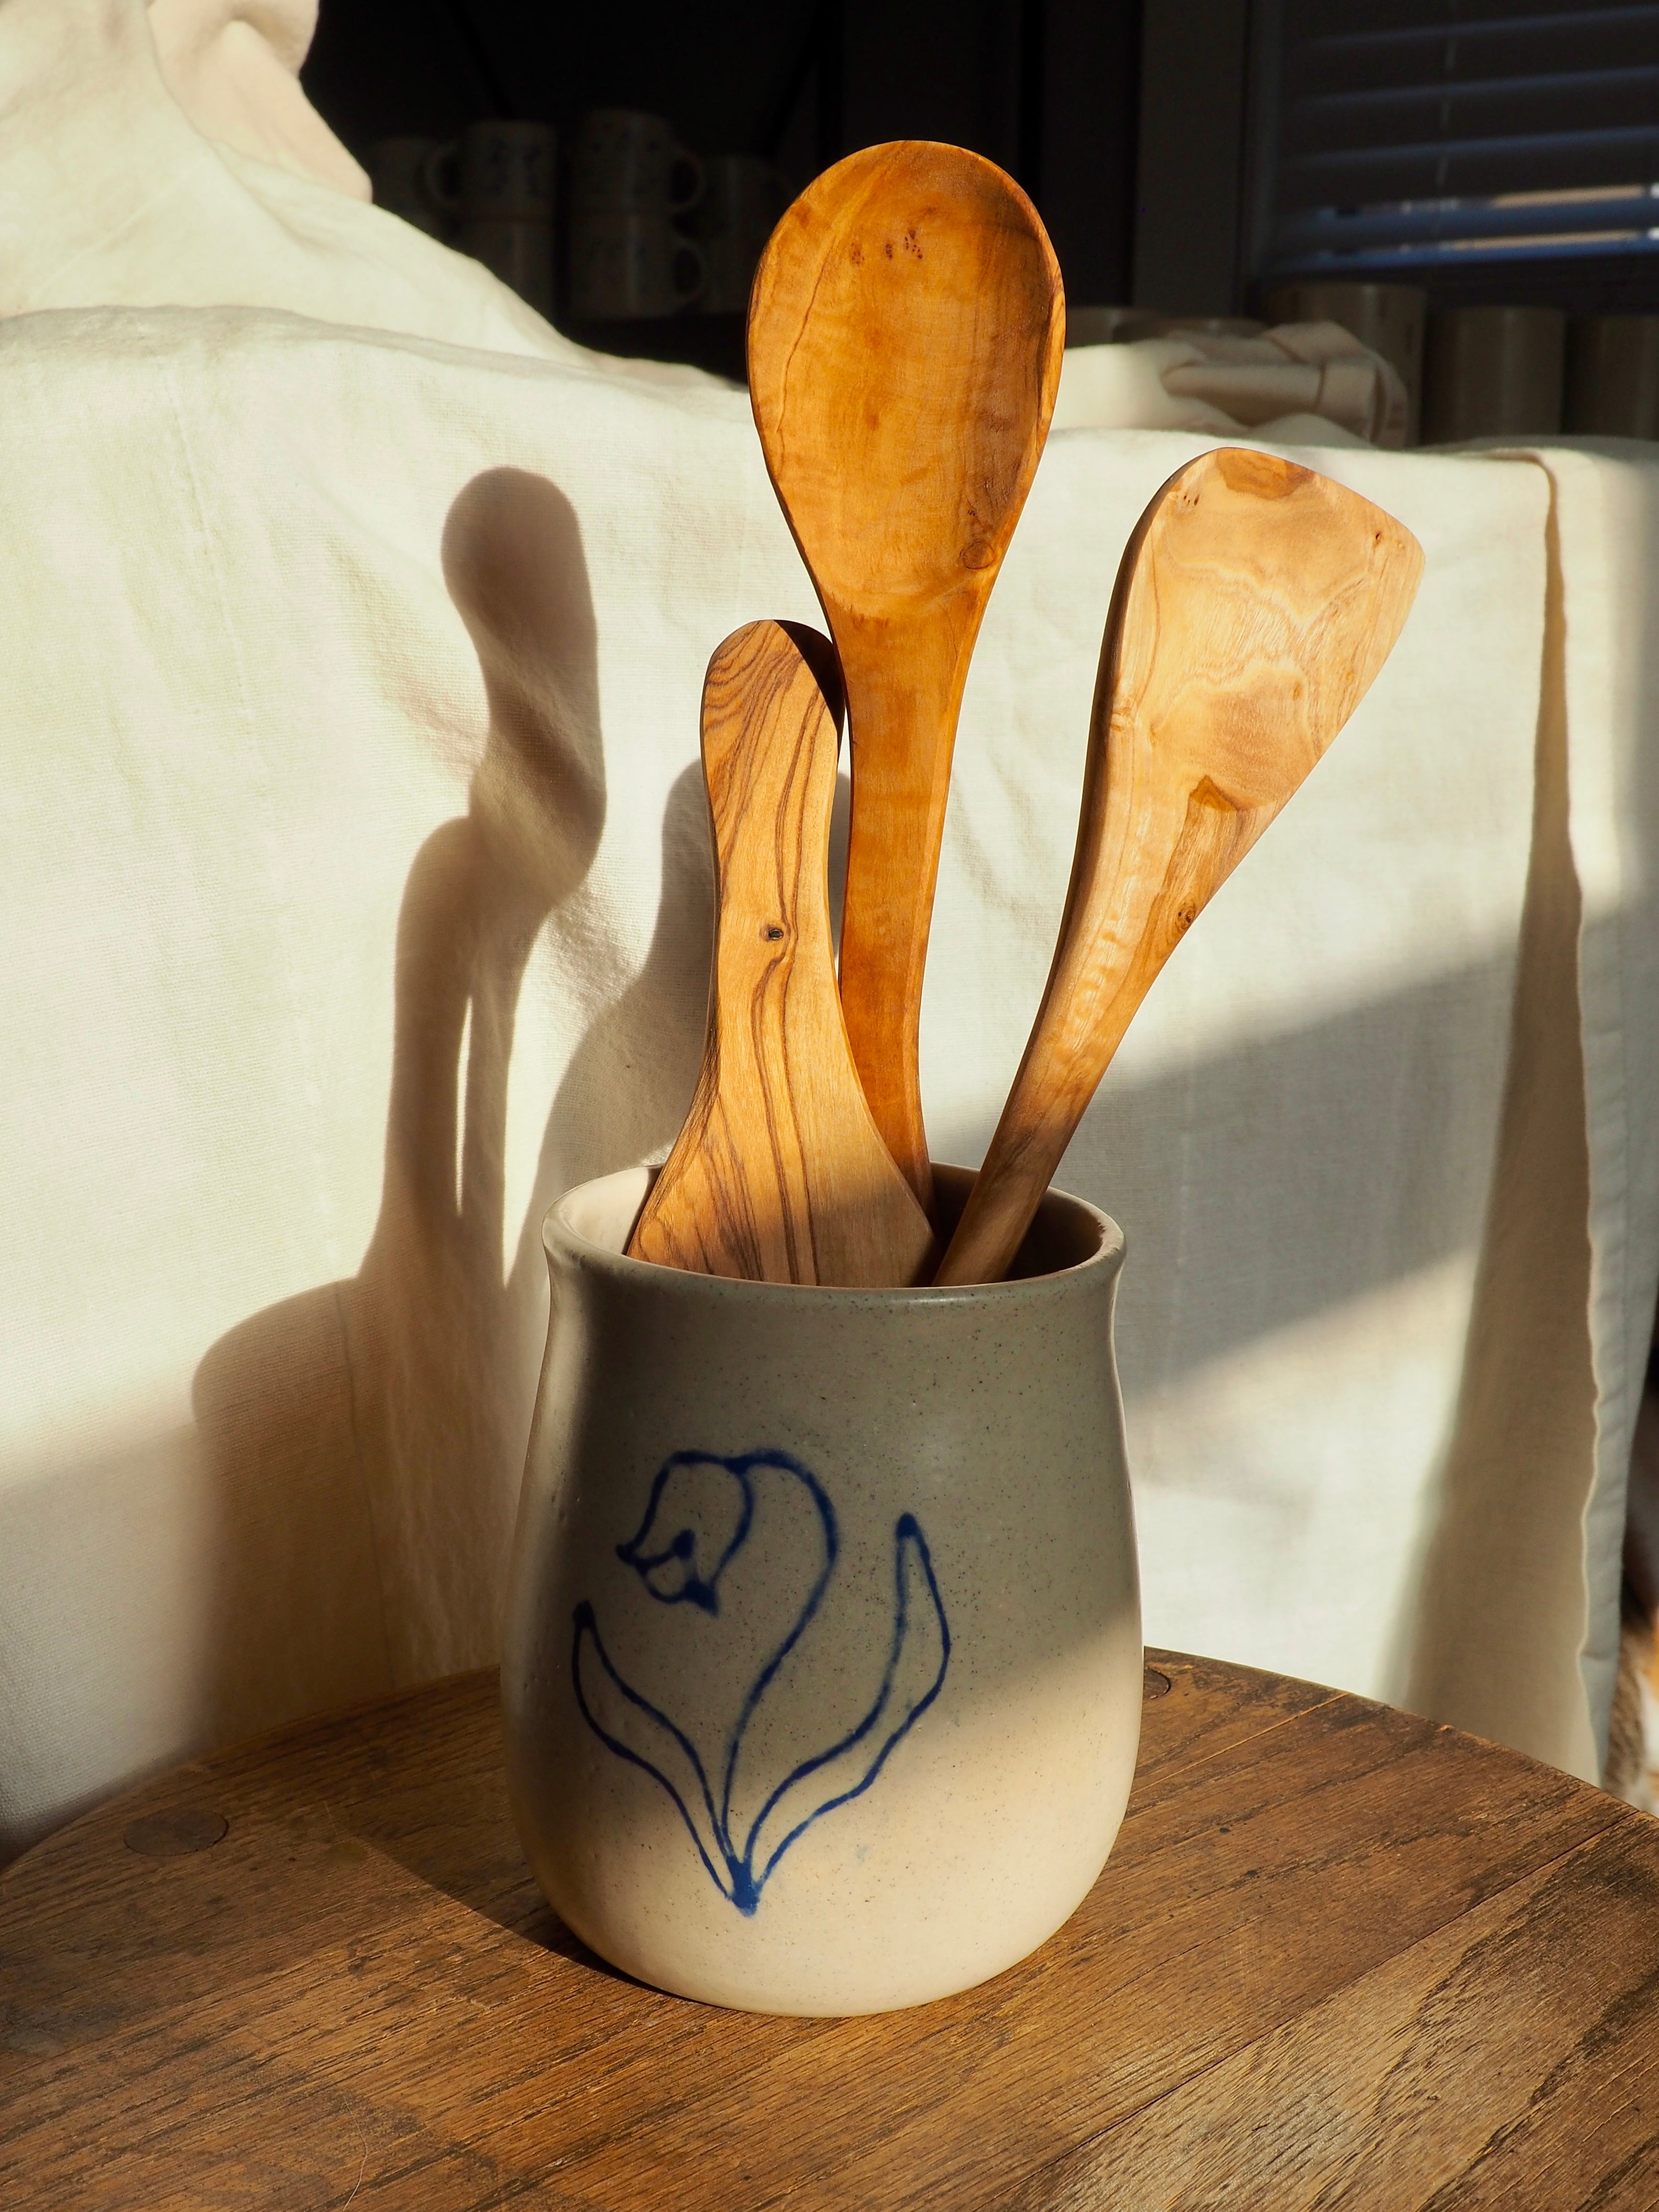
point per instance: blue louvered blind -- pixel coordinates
(1412, 134)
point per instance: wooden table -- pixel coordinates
(1340, 1958)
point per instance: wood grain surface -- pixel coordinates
(1341, 1957)
(779, 1174)
(905, 337)
(1255, 604)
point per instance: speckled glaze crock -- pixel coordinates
(822, 1668)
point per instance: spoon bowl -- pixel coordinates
(1255, 603)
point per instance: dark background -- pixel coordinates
(1047, 88)
(1141, 128)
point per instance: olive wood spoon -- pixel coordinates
(779, 1174)
(1255, 603)
(905, 333)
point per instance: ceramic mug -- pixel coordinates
(821, 1677)
(627, 262)
(397, 174)
(500, 179)
(1612, 377)
(623, 158)
(1493, 373)
(520, 254)
(1105, 326)
(497, 171)
(743, 197)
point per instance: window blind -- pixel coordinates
(1407, 135)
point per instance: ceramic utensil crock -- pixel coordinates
(823, 1666)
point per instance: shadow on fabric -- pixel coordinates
(366, 1438)
(1504, 1561)
(1504, 1549)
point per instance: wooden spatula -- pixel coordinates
(1255, 603)
(779, 1174)
(905, 334)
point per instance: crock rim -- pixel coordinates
(558, 1233)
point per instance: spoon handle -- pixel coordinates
(902, 733)
(779, 1174)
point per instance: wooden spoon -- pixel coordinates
(1254, 604)
(905, 334)
(780, 1175)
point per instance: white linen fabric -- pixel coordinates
(233, 67)
(357, 901)
(110, 193)
(1302, 383)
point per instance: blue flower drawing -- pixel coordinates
(703, 1510)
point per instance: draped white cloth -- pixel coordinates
(1304, 383)
(357, 901)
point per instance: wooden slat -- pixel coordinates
(1367, 177)
(1450, 113)
(358, 1991)
(1351, 55)
(1341, 20)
